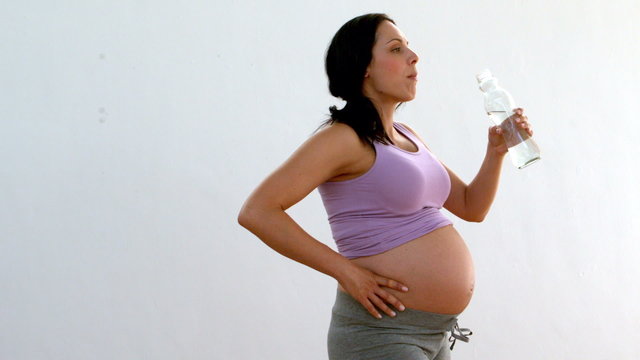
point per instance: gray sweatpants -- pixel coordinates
(411, 335)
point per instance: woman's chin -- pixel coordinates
(411, 95)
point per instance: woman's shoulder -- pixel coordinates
(340, 135)
(337, 128)
(341, 144)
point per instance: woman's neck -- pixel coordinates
(386, 111)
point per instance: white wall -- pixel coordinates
(131, 133)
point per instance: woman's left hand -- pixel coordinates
(496, 139)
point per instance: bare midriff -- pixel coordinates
(436, 267)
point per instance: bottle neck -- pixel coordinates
(489, 84)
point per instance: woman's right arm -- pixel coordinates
(323, 156)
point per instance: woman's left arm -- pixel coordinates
(472, 202)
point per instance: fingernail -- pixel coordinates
(402, 307)
(393, 313)
(379, 316)
(405, 288)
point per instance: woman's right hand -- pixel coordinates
(366, 287)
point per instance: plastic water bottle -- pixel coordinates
(500, 107)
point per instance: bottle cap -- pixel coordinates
(483, 75)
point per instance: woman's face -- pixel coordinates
(389, 75)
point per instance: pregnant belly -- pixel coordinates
(437, 267)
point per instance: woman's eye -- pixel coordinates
(396, 49)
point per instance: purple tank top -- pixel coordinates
(397, 200)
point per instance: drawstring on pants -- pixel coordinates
(463, 335)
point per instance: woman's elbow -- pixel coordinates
(476, 218)
(254, 214)
(243, 219)
(245, 216)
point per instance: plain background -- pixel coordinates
(132, 132)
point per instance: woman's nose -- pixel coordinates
(414, 57)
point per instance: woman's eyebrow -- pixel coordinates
(396, 39)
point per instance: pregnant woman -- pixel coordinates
(404, 273)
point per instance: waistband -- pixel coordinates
(423, 321)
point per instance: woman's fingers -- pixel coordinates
(370, 308)
(382, 306)
(391, 284)
(525, 125)
(366, 287)
(390, 299)
(379, 299)
(523, 120)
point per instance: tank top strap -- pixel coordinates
(408, 133)
(411, 136)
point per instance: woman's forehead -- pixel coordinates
(387, 32)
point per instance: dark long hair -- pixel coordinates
(347, 58)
